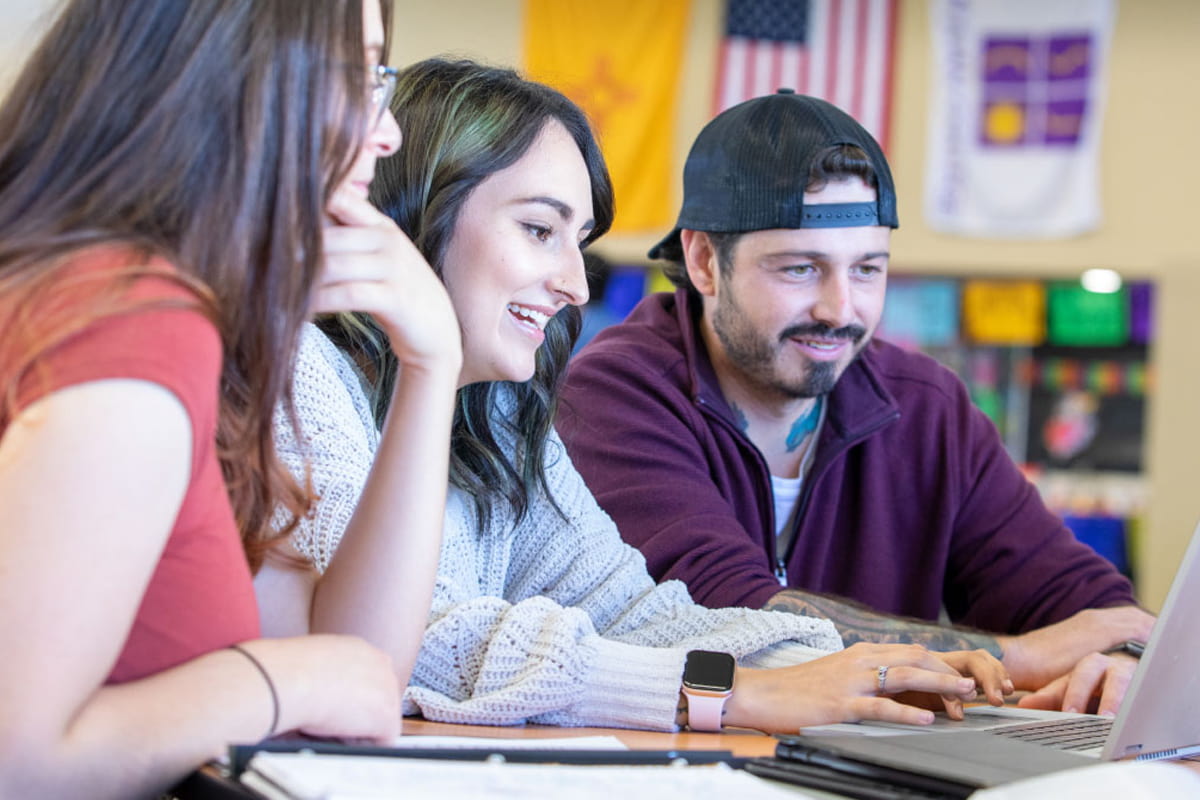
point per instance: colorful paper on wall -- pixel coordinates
(1015, 114)
(838, 50)
(1102, 377)
(1004, 312)
(1082, 318)
(659, 282)
(626, 286)
(1141, 312)
(620, 61)
(920, 313)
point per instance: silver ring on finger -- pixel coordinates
(881, 677)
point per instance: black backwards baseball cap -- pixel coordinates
(749, 168)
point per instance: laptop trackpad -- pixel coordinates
(982, 718)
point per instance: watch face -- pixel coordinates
(708, 670)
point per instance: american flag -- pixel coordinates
(838, 50)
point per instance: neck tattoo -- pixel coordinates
(742, 422)
(804, 425)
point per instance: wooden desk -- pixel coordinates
(742, 743)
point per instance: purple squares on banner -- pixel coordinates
(1007, 60)
(1064, 121)
(1035, 90)
(1070, 58)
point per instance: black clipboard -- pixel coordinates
(240, 754)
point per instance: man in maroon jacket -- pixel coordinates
(754, 441)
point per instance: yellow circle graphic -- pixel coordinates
(1004, 123)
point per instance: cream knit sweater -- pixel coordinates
(549, 620)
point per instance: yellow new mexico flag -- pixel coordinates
(620, 61)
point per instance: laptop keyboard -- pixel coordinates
(1083, 733)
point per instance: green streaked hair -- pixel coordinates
(463, 122)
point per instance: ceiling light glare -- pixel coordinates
(1101, 281)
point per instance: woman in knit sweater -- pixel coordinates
(540, 612)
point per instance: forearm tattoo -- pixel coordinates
(857, 623)
(681, 712)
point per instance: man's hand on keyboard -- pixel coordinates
(1097, 685)
(1038, 659)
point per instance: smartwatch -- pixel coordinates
(707, 684)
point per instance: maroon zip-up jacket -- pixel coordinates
(911, 501)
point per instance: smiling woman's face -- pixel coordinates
(514, 259)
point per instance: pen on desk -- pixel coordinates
(239, 755)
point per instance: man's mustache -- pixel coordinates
(853, 333)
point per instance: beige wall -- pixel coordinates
(1150, 204)
(1151, 199)
(20, 23)
(1151, 192)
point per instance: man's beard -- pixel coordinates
(757, 356)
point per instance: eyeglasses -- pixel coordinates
(381, 83)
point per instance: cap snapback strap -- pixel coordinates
(839, 215)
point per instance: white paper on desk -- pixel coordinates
(305, 776)
(419, 741)
(1126, 780)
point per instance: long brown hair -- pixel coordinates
(463, 122)
(207, 133)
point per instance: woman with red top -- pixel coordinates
(181, 186)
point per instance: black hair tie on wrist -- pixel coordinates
(270, 685)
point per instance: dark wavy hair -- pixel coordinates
(463, 122)
(837, 162)
(210, 134)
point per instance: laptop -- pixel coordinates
(1158, 719)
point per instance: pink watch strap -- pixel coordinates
(704, 711)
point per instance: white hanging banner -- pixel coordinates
(1015, 115)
